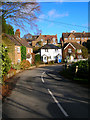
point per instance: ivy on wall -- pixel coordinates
(4, 60)
(23, 53)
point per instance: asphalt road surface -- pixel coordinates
(43, 93)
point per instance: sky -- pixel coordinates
(58, 17)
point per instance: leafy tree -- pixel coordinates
(20, 13)
(84, 52)
(6, 28)
(4, 60)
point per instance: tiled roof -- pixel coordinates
(50, 46)
(12, 38)
(77, 35)
(49, 37)
(17, 41)
(75, 44)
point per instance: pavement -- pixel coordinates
(43, 93)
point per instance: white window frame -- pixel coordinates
(18, 61)
(69, 50)
(42, 40)
(18, 49)
(28, 51)
(79, 51)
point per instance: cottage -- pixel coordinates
(14, 43)
(50, 52)
(72, 52)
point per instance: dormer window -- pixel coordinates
(54, 40)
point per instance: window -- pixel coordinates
(45, 58)
(18, 49)
(28, 51)
(66, 38)
(46, 50)
(82, 38)
(18, 60)
(44, 43)
(42, 40)
(69, 38)
(73, 38)
(69, 50)
(54, 40)
(31, 51)
(78, 42)
(76, 38)
(79, 56)
(79, 51)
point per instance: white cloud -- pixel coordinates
(42, 16)
(53, 13)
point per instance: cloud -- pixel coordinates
(53, 13)
(42, 16)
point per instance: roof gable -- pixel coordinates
(68, 45)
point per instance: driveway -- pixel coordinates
(43, 93)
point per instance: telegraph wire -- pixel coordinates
(63, 23)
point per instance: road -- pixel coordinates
(43, 93)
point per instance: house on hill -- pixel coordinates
(41, 40)
(78, 37)
(50, 52)
(14, 43)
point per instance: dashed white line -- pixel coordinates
(42, 77)
(61, 108)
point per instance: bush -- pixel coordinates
(51, 62)
(25, 64)
(16, 66)
(38, 59)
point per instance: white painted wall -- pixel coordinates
(51, 52)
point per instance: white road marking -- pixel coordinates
(42, 77)
(64, 112)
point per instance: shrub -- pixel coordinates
(38, 59)
(51, 62)
(16, 66)
(5, 60)
(25, 64)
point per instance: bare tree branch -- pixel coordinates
(20, 13)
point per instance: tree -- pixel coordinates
(6, 28)
(20, 13)
(84, 52)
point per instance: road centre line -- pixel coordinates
(61, 108)
(42, 77)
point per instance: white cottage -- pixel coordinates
(50, 52)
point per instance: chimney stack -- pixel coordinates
(17, 33)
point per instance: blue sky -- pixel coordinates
(54, 14)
